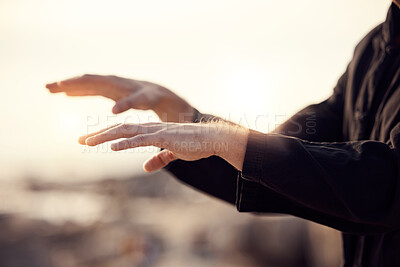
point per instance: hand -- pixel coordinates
(128, 93)
(180, 141)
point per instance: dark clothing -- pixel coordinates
(336, 163)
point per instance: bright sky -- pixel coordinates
(236, 59)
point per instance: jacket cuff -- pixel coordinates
(254, 156)
(196, 116)
(247, 195)
(203, 117)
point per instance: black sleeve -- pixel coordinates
(253, 197)
(351, 186)
(348, 182)
(212, 175)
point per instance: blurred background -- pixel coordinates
(253, 62)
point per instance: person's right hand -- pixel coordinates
(128, 93)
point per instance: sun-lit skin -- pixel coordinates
(128, 93)
(179, 138)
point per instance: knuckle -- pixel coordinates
(126, 127)
(166, 157)
(140, 129)
(140, 139)
(151, 128)
(163, 158)
(162, 140)
(124, 144)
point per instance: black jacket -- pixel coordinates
(336, 163)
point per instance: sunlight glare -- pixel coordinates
(68, 122)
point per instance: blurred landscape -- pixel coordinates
(149, 220)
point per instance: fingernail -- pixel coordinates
(114, 146)
(81, 140)
(146, 166)
(90, 141)
(115, 110)
(50, 85)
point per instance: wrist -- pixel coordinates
(231, 145)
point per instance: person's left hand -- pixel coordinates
(180, 141)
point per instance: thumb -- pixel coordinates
(131, 101)
(160, 160)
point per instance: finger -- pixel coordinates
(123, 131)
(153, 139)
(54, 88)
(131, 101)
(82, 139)
(160, 160)
(80, 92)
(61, 86)
(78, 80)
(77, 86)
